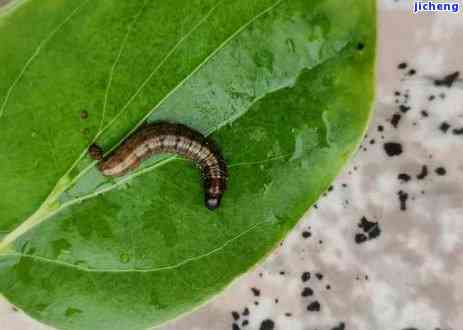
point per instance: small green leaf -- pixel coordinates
(283, 86)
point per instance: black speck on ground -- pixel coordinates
(393, 149)
(395, 120)
(246, 312)
(306, 234)
(424, 113)
(371, 230)
(341, 326)
(404, 108)
(235, 326)
(367, 225)
(235, 315)
(402, 66)
(305, 276)
(380, 128)
(404, 177)
(441, 171)
(319, 276)
(403, 197)
(412, 72)
(458, 131)
(423, 173)
(245, 323)
(256, 292)
(314, 306)
(267, 325)
(360, 238)
(448, 80)
(307, 292)
(444, 127)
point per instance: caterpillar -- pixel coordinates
(172, 138)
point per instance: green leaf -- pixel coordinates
(284, 86)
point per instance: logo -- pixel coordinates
(431, 6)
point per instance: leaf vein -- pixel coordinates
(116, 62)
(139, 270)
(158, 67)
(36, 53)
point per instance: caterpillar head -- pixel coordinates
(212, 201)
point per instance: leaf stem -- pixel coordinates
(38, 217)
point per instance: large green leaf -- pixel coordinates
(284, 87)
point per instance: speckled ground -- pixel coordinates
(382, 250)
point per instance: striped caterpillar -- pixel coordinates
(163, 137)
